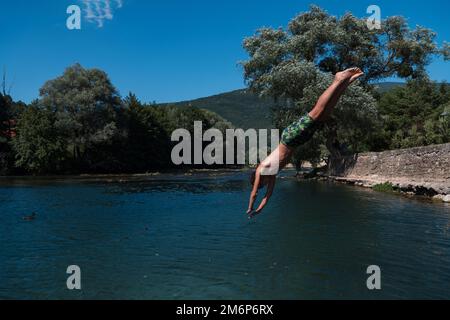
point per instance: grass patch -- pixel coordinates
(384, 187)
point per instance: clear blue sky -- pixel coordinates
(168, 50)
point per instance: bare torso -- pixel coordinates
(276, 161)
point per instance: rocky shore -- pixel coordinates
(421, 171)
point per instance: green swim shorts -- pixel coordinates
(299, 132)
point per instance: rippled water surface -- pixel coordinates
(187, 237)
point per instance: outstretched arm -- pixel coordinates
(254, 193)
(266, 198)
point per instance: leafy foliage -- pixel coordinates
(38, 146)
(81, 125)
(415, 115)
(384, 187)
(334, 44)
(85, 105)
(295, 64)
(9, 110)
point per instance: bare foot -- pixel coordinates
(350, 75)
(359, 73)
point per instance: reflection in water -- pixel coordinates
(171, 237)
(197, 186)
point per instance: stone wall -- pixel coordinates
(414, 169)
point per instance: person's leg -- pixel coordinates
(329, 99)
(302, 130)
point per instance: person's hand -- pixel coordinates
(356, 76)
(251, 213)
(350, 75)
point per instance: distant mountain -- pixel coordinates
(386, 86)
(245, 109)
(242, 108)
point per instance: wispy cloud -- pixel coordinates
(97, 11)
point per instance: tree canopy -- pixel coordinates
(415, 115)
(336, 43)
(293, 64)
(85, 105)
(80, 124)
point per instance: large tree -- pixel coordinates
(85, 104)
(286, 64)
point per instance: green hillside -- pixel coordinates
(386, 86)
(245, 109)
(241, 107)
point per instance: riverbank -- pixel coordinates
(420, 171)
(120, 178)
(407, 189)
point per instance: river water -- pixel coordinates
(187, 237)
